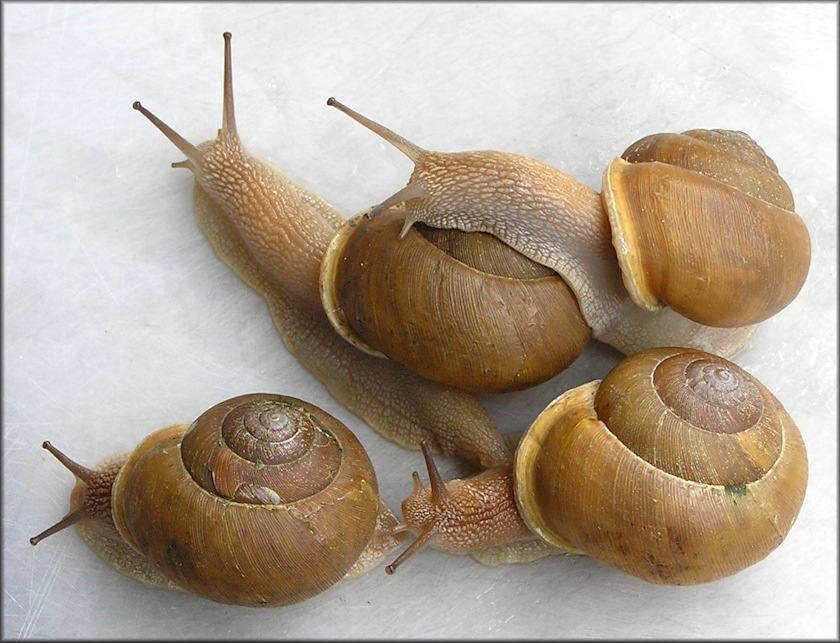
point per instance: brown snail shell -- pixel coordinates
(679, 468)
(703, 223)
(461, 309)
(265, 500)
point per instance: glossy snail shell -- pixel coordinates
(703, 222)
(679, 468)
(461, 309)
(265, 500)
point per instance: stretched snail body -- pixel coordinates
(273, 233)
(678, 468)
(554, 220)
(264, 500)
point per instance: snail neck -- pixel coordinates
(548, 216)
(461, 516)
(91, 499)
(283, 233)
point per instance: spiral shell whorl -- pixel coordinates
(265, 449)
(692, 415)
(268, 431)
(716, 396)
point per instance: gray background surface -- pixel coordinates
(118, 318)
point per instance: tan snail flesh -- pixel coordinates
(555, 220)
(678, 468)
(264, 500)
(272, 233)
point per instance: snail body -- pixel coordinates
(264, 500)
(678, 468)
(556, 221)
(273, 233)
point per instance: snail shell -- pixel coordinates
(462, 309)
(678, 468)
(703, 222)
(265, 500)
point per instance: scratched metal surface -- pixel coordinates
(118, 319)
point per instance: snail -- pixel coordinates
(264, 500)
(678, 467)
(273, 233)
(619, 265)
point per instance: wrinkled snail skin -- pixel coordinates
(557, 221)
(678, 468)
(477, 516)
(639, 329)
(273, 234)
(264, 500)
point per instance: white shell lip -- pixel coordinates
(524, 461)
(329, 300)
(629, 261)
